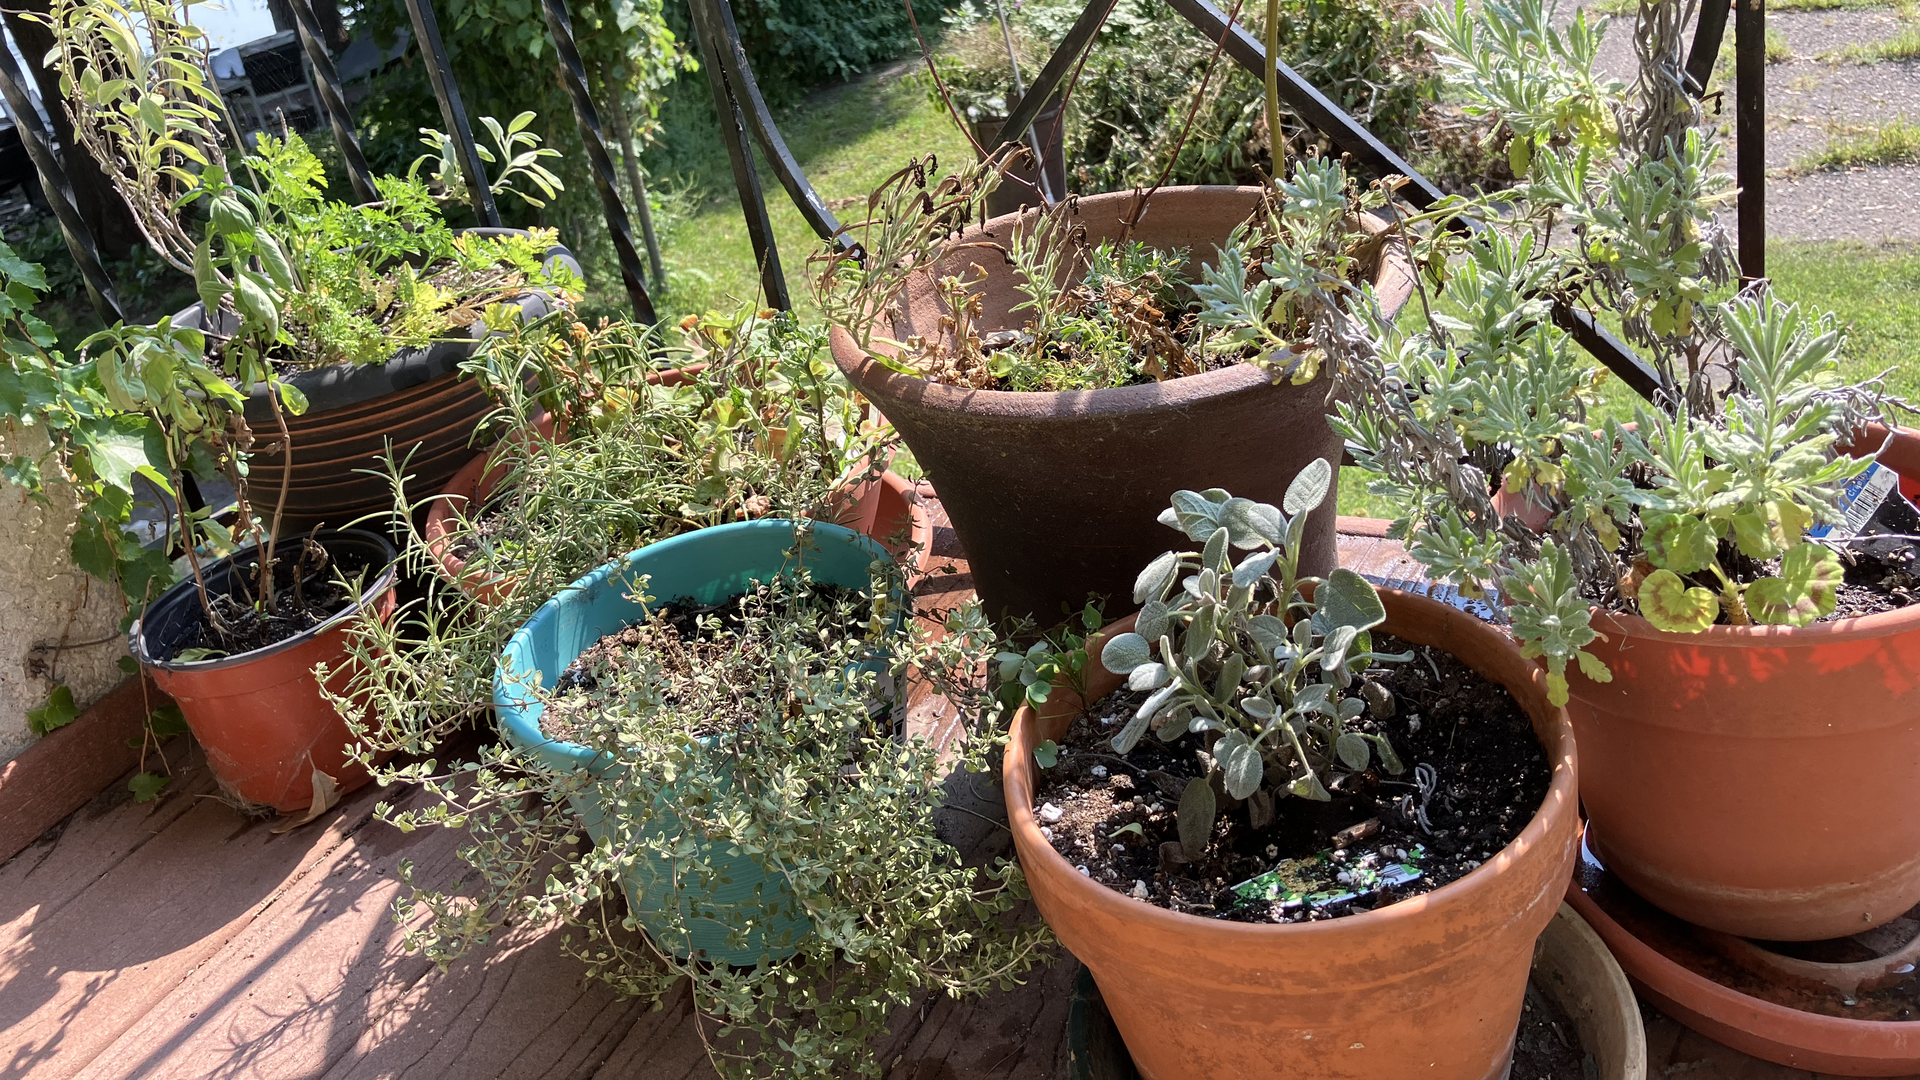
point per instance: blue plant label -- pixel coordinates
(1861, 500)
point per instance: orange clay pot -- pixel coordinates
(1761, 780)
(1426, 989)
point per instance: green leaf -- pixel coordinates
(1808, 585)
(119, 451)
(1132, 828)
(1352, 750)
(147, 786)
(292, 397)
(58, 712)
(273, 259)
(1593, 668)
(1149, 677)
(1669, 604)
(20, 270)
(1155, 619)
(1309, 489)
(1240, 764)
(1047, 754)
(152, 115)
(230, 216)
(1152, 582)
(1681, 543)
(1195, 817)
(1347, 599)
(197, 654)
(1214, 555)
(166, 721)
(1249, 523)
(1125, 652)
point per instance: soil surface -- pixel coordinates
(1115, 817)
(307, 592)
(1548, 1044)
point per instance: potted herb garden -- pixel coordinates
(708, 683)
(1297, 826)
(1059, 374)
(343, 326)
(1716, 588)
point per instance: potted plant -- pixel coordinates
(749, 421)
(1089, 341)
(1730, 647)
(715, 709)
(343, 326)
(1279, 838)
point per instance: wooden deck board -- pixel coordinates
(180, 940)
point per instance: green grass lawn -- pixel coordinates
(847, 138)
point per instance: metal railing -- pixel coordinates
(745, 121)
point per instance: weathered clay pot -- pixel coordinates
(1427, 989)
(998, 459)
(416, 401)
(1760, 780)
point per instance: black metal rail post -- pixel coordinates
(1024, 112)
(753, 109)
(326, 81)
(1750, 133)
(733, 131)
(573, 73)
(452, 112)
(53, 181)
(1707, 35)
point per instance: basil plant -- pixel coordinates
(1260, 662)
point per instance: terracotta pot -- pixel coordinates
(260, 715)
(1574, 968)
(416, 401)
(1430, 987)
(1036, 544)
(1760, 780)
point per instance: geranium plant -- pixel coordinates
(1486, 424)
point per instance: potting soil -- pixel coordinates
(1114, 816)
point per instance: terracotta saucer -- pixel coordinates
(1778, 1002)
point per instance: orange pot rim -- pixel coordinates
(1561, 798)
(1685, 990)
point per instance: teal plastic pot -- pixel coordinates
(708, 566)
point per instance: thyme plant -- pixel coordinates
(1483, 423)
(1259, 660)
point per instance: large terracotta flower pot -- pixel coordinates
(1760, 780)
(1430, 988)
(418, 401)
(260, 716)
(1035, 544)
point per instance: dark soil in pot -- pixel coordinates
(1875, 583)
(1547, 1046)
(1115, 816)
(313, 582)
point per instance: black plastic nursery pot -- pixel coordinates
(416, 401)
(260, 715)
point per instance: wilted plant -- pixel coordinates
(1255, 653)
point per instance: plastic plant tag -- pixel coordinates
(1873, 507)
(1316, 880)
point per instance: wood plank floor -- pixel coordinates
(179, 939)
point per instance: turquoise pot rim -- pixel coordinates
(518, 711)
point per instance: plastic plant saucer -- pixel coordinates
(1782, 1003)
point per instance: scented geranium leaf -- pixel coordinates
(1808, 585)
(1681, 543)
(1251, 524)
(1670, 604)
(1352, 750)
(1125, 652)
(1308, 489)
(1347, 599)
(1195, 817)
(1152, 582)
(1240, 764)
(1768, 530)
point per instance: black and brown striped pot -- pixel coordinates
(417, 401)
